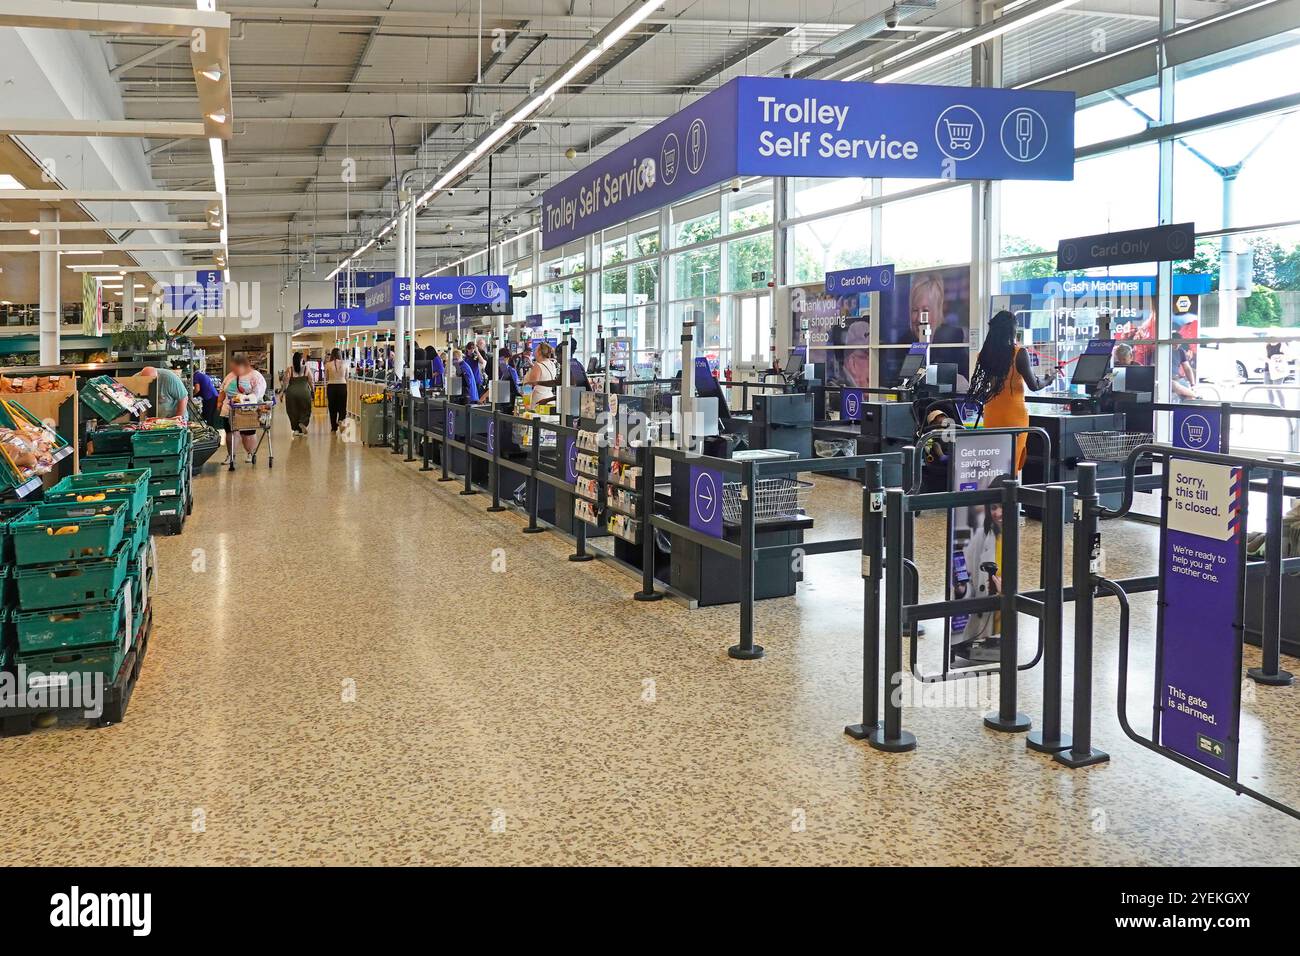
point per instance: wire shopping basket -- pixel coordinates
(773, 498)
(1110, 446)
(959, 134)
(835, 447)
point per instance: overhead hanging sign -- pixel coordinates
(865, 279)
(439, 290)
(771, 126)
(334, 318)
(1157, 244)
(1202, 583)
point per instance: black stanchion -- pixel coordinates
(410, 426)
(647, 462)
(873, 503)
(1007, 719)
(397, 422)
(1270, 640)
(534, 459)
(1087, 510)
(580, 552)
(447, 426)
(746, 650)
(386, 436)
(890, 736)
(427, 437)
(494, 471)
(1050, 739)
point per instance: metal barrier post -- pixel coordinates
(468, 488)
(1270, 640)
(410, 427)
(746, 650)
(1087, 506)
(494, 470)
(397, 422)
(446, 437)
(1050, 739)
(1007, 719)
(534, 459)
(873, 506)
(385, 435)
(890, 736)
(427, 439)
(579, 537)
(647, 592)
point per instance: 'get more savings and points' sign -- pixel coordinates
(769, 126)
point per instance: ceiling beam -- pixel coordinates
(149, 129)
(113, 247)
(100, 226)
(107, 195)
(147, 56)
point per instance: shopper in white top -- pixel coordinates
(244, 380)
(543, 374)
(336, 388)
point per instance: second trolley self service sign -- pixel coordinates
(1201, 586)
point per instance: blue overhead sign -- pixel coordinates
(439, 290)
(202, 295)
(771, 126)
(1102, 287)
(334, 318)
(866, 279)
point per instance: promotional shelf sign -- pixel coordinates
(772, 126)
(1202, 581)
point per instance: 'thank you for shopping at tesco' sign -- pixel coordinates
(766, 126)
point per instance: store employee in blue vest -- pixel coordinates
(436, 368)
(468, 380)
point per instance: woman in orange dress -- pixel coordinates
(1002, 374)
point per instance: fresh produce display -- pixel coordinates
(30, 384)
(30, 449)
(109, 399)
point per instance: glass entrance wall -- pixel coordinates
(1226, 167)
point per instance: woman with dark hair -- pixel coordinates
(298, 394)
(336, 388)
(1002, 373)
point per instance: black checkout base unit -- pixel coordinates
(710, 578)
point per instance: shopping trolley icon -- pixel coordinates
(959, 134)
(1196, 433)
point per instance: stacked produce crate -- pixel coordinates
(9, 511)
(164, 448)
(75, 610)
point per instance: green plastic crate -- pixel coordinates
(67, 531)
(98, 464)
(59, 628)
(74, 582)
(149, 442)
(162, 466)
(137, 529)
(110, 441)
(130, 485)
(9, 510)
(99, 406)
(50, 668)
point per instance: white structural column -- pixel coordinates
(408, 269)
(49, 281)
(400, 312)
(128, 299)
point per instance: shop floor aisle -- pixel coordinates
(336, 675)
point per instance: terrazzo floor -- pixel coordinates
(352, 664)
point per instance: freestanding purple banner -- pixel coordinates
(1201, 587)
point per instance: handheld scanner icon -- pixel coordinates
(1024, 132)
(695, 144)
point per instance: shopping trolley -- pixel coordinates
(959, 134)
(248, 417)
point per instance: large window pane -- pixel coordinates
(808, 197)
(750, 207)
(824, 245)
(1108, 193)
(697, 221)
(749, 262)
(928, 231)
(1243, 171)
(1238, 77)
(698, 272)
